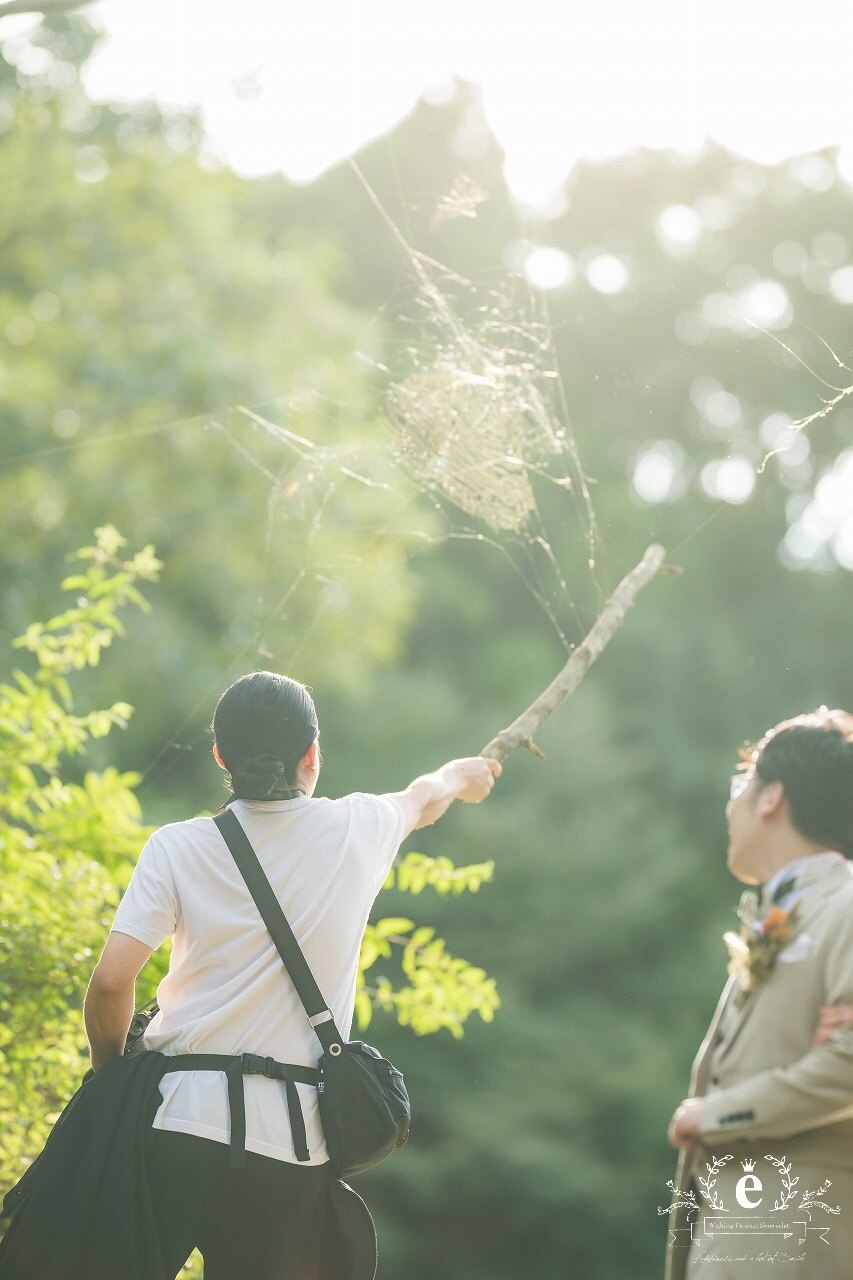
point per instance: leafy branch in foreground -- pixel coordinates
(65, 848)
(442, 990)
(39, 728)
(76, 638)
(416, 872)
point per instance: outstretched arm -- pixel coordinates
(428, 797)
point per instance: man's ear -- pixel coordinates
(311, 759)
(771, 798)
(218, 758)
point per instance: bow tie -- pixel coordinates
(782, 890)
(753, 906)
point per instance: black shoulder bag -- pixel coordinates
(364, 1106)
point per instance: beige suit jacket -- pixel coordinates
(757, 1070)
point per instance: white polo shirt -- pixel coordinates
(226, 990)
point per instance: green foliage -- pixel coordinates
(76, 638)
(143, 297)
(54, 913)
(442, 990)
(64, 846)
(415, 871)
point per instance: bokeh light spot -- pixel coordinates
(841, 285)
(813, 172)
(659, 472)
(91, 165)
(823, 532)
(548, 268)
(730, 480)
(765, 305)
(607, 274)
(678, 229)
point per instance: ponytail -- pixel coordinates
(263, 725)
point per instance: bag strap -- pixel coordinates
(235, 1067)
(319, 1014)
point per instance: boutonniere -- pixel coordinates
(753, 951)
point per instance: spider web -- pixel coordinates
(477, 424)
(475, 428)
(477, 434)
(477, 431)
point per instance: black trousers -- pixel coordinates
(269, 1221)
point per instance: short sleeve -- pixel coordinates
(379, 824)
(148, 911)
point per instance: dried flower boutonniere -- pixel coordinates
(754, 950)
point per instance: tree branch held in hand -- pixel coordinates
(520, 732)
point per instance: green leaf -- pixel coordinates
(363, 1010)
(390, 925)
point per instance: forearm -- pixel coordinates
(469, 779)
(814, 1091)
(433, 793)
(107, 1015)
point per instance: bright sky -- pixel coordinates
(297, 86)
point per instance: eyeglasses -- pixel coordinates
(739, 783)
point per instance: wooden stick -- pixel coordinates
(520, 732)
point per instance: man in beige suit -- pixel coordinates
(774, 1074)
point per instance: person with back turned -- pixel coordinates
(774, 1074)
(141, 1169)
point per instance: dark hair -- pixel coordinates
(263, 725)
(812, 756)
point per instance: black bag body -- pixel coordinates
(364, 1106)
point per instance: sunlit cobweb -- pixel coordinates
(474, 416)
(478, 423)
(470, 430)
(461, 201)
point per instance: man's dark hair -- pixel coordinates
(263, 725)
(812, 756)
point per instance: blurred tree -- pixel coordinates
(144, 294)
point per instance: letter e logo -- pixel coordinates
(749, 1182)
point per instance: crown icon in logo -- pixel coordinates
(747, 1165)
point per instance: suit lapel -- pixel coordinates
(809, 907)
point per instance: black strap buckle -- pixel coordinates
(252, 1064)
